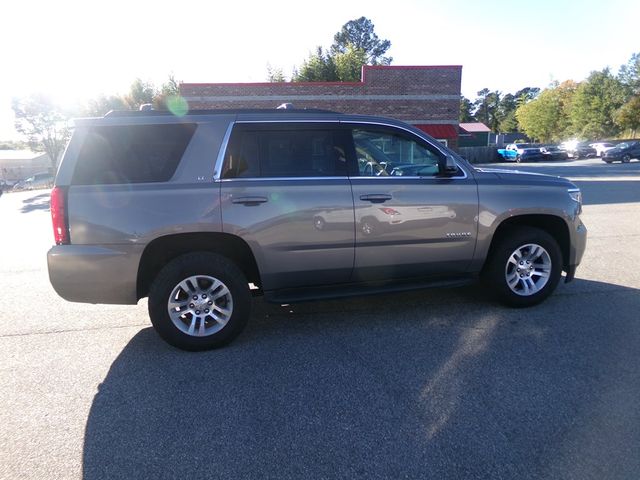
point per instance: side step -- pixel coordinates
(293, 295)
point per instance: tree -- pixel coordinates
(319, 67)
(594, 105)
(355, 45)
(275, 75)
(488, 108)
(629, 74)
(103, 104)
(44, 124)
(547, 118)
(628, 116)
(140, 93)
(349, 64)
(466, 110)
(359, 35)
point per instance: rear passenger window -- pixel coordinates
(297, 151)
(131, 154)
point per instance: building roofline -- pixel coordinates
(335, 83)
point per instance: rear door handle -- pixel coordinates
(250, 201)
(375, 197)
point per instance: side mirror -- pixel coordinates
(449, 166)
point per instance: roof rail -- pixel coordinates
(282, 111)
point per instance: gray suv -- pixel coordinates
(200, 213)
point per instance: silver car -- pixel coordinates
(199, 213)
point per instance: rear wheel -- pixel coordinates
(199, 301)
(626, 159)
(524, 267)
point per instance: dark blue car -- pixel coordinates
(623, 152)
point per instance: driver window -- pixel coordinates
(385, 152)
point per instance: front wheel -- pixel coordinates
(626, 159)
(524, 267)
(199, 301)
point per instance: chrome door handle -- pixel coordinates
(250, 201)
(375, 197)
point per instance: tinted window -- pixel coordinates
(131, 154)
(284, 151)
(384, 152)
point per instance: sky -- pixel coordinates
(76, 50)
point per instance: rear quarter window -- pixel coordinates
(131, 153)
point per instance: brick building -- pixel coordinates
(427, 97)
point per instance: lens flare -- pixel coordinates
(177, 105)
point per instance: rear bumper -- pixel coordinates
(91, 274)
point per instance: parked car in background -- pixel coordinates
(39, 180)
(601, 147)
(553, 152)
(623, 152)
(515, 152)
(578, 150)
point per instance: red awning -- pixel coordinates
(439, 131)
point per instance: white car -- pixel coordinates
(601, 147)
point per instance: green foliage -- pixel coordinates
(97, 107)
(629, 74)
(140, 93)
(547, 117)
(44, 125)
(355, 45)
(628, 116)
(488, 108)
(13, 145)
(349, 64)
(319, 67)
(594, 105)
(275, 75)
(359, 35)
(168, 97)
(466, 110)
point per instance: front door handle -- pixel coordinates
(375, 197)
(249, 201)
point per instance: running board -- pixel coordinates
(293, 295)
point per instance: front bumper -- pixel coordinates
(578, 246)
(92, 274)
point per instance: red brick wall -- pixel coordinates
(417, 94)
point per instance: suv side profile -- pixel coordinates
(200, 213)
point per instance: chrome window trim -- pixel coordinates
(222, 152)
(227, 136)
(436, 147)
(288, 121)
(415, 177)
(279, 179)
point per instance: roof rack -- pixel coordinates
(281, 111)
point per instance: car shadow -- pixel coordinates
(437, 384)
(39, 201)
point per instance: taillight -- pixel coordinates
(59, 215)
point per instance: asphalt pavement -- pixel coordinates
(433, 384)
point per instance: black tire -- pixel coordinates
(494, 274)
(199, 264)
(518, 159)
(626, 159)
(607, 161)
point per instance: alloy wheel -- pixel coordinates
(528, 269)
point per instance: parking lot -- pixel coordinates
(430, 384)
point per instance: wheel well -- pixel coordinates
(164, 249)
(553, 225)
